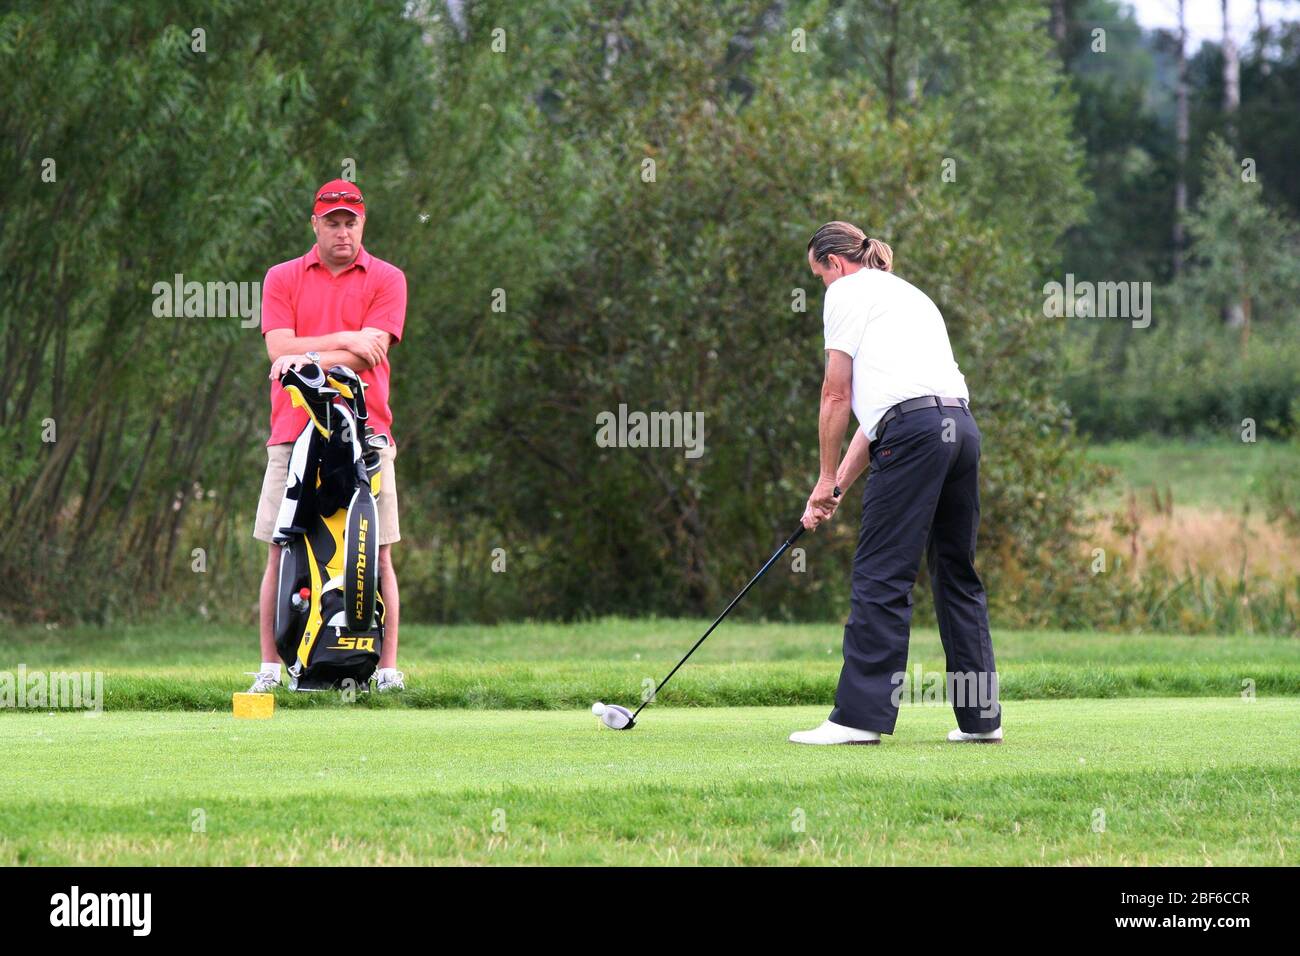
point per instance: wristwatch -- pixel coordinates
(313, 357)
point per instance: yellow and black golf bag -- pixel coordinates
(329, 616)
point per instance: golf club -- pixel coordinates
(618, 718)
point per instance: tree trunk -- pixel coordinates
(1058, 26)
(1180, 183)
(1231, 77)
(1235, 314)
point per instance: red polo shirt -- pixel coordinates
(301, 295)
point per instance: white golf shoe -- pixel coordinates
(832, 733)
(265, 683)
(988, 737)
(389, 679)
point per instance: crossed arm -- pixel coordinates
(358, 350)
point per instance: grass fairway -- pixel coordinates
(492, 757)
(1179, 781)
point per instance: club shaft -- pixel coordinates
(734, 601)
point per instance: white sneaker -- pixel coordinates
(389, 678)
(832, 733)
(988, 737)
(266, 682)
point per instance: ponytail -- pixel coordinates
(851, 244)
(877, 255)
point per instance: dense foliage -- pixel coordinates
(1192, 372)
(595, 204)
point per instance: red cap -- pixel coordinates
(357, 206)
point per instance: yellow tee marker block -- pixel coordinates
(254, 706)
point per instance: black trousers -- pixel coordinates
(922, 496)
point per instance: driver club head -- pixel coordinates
(613, 716)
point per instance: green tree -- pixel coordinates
(504, 153)
(171, 143)
(1241, 249)
(678, 294)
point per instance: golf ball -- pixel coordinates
(598, 708)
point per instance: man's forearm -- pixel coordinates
(831, 426)
(300, 344)
(855, 460)
(343, 357)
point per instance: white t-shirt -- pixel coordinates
(897, 340)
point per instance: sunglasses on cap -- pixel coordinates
(339, 197)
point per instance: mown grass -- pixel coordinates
(1175, 781)
(534, 666)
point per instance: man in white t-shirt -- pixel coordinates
(889, 361)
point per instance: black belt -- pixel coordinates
(915, 404)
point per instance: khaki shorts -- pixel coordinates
(277, 472)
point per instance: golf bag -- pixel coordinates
(329, 616)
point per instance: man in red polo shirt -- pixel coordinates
(337, 305)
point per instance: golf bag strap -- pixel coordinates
(299, 495)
